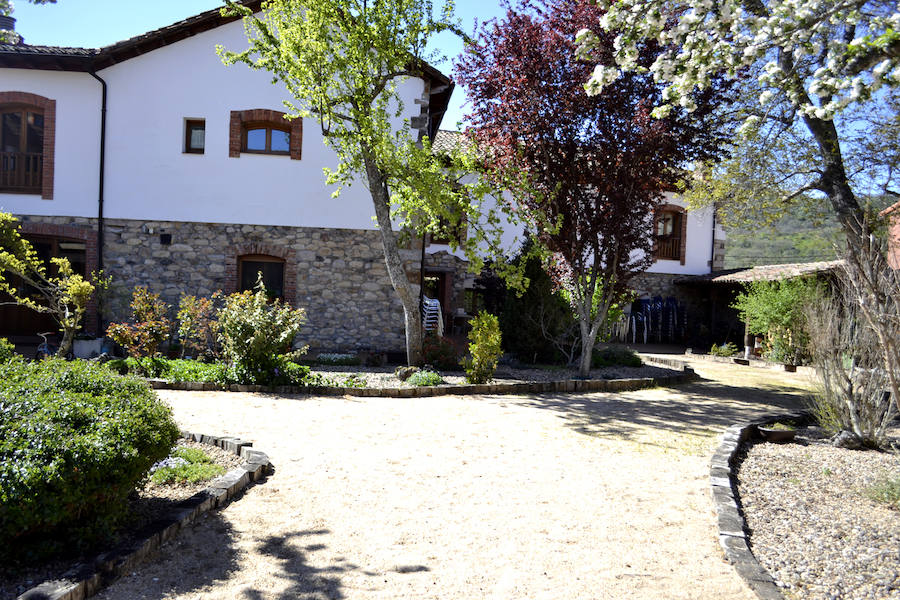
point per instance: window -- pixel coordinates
(272, 269)
(21, 149)
(264, 131)
(669, 232)
(447, 232)
(194, 136)
(263, 138)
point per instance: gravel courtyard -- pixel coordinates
(558, 497)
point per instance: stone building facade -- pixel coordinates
(337, 275)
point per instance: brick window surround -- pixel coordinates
(263, 115)
(77, 233)
(286, 254)
(48, 107)
(673, 208)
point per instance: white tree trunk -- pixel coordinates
(396, 272)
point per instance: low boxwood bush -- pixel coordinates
(75, 440)
(615, 356)
(424, 378)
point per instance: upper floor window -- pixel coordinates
(21, 149)
(264, 131)
(264, 138)
(669, 233)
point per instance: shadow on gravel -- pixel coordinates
(306, 582)
(701, 408)
(199, 555)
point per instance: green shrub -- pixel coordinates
(484, 348)
(186, 465)
(75, 440)
(440, 353)
(7, 350)
(727, 349)
(149, 328)
(256, 334)
(337, 359)
(424, 378)
(193, 370)
(148, 366)
(615, 356)
(886, 491)
(197, 325)
(777, 310)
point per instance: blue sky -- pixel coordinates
(95, 23)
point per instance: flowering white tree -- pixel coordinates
(816, 72)
(807, 64)
(6, 10)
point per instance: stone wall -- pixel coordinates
(337, 275)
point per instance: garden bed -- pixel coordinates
(811, 519)
(381, 381)
(150, 504)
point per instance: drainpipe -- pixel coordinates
(712, 256)
(100, 184)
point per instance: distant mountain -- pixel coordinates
(795, 238)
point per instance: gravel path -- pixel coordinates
(811, 524)
(590, 496)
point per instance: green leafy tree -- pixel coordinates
(777, 310)
(342, 62)
(57, 291)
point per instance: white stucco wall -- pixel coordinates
(699, 243)
(76, 170)
(151, 178)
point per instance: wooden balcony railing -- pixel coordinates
(668, 248)
(21, 172)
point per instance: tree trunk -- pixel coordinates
(399, 280)
(65, 346)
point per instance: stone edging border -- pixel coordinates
(732, 527)
(539, 387)
(756, 363)
(85, 580)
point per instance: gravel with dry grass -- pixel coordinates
(813, 525)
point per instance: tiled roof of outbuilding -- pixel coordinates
(764, 273)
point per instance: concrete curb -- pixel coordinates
(539, 387)
(733, 531)
(85, 580)
(756, 363)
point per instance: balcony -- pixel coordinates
(668, 248)
(21, 172)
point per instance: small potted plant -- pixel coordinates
(779, 432)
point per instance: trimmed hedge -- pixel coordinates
(75, 440)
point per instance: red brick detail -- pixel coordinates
(286, 254)
(88, 235)
(678, 209)
(263, 115)
(48, 107)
